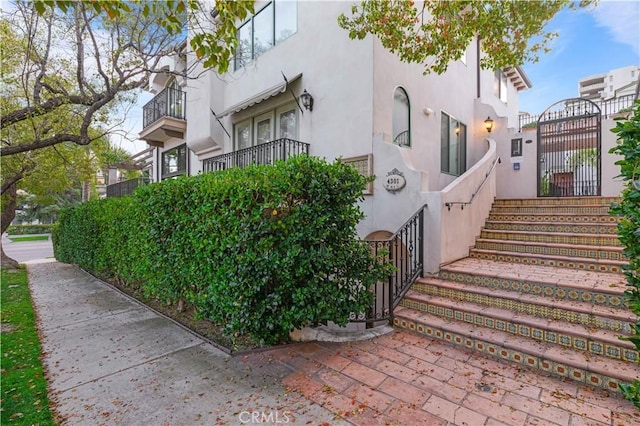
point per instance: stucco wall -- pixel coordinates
(340, 81)
(522, 183)
(460, 224)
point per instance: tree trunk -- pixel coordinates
(9, 205)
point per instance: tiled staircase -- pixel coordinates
(542, 287)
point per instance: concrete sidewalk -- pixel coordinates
(110, 360)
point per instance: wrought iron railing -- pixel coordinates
(608, 108)
(266, 153)
(168, 103)
(405, 251)
(572, 189)
(126, 187)
(402, 139)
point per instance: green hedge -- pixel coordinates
(264, 250)
(29, 229)
(628, 148)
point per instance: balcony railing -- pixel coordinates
(266, 153)
(168, 103)
(405, 251)
(126, 187)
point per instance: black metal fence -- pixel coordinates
(569, 137)
(405, 250)
(126, 187)
(571, 108)
(266, 153)
(168, 103)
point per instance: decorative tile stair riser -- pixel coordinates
(561, 201)
(557, 238)
(575, 210)
(544, 329)
(542, 287)
(608, 229)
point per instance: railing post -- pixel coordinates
(390, 290)
(421, 241)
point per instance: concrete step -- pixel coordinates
(552, 238)
(583, 367)
(608, 228)
(619, 319)
(600, 265)
(557, 201)
(500, 316)
(604, 289)
(550, 249)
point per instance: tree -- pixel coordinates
(438, 32)
(212, 30)
(66, 74)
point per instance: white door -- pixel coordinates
(287, 122)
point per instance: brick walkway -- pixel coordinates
(405, 379)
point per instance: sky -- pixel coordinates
(591, 41)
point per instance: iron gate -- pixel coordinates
(569, 149)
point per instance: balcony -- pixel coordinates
(164, 117)
(126, 187)
(266, 153)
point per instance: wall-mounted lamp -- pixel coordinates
(488, 124)
(457, 129)
(307, 100)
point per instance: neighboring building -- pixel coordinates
(612, 84)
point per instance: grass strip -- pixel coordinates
(29, 238)
(23, 395)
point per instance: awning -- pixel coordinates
(262, 96)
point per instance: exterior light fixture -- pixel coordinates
(488, 124)
(307, 100)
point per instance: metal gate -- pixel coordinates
(569, 149)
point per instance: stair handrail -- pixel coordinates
(406, 252)
(473, 196)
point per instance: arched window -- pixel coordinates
(175, 98)
(401, 118)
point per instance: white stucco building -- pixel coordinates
(612, 84)
(368, 107)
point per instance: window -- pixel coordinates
(453, 146)
(174, 162)
(175, 99)
(500, 86)
(633, 73)
(401, 118)
(275, 124)
(271, 25)
(516, 147)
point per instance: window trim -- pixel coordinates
(501, 86)
(178, 172)
(241, 63)
(404, 91)
(269, 115)
(274, 117)
(278, 112)
(461, 161)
